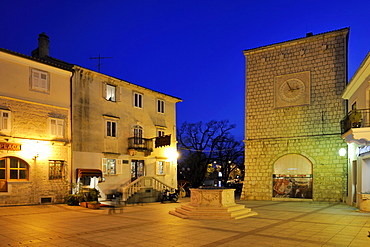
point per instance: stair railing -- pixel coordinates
(143, 182)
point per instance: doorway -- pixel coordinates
(137, 169)
(292, 177)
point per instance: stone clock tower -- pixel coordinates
(292, 119)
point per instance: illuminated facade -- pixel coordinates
(293, 110)
(35, 134)
(123, 130)
(356, 131)
(62, 125)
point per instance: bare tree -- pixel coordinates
(229, 154)
(199, 145)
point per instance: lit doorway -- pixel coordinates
(354, 181)
(292, 177)
(137, 169)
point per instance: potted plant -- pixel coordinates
(93, 205)
(92, 198)
(355, 117)
(73, 199)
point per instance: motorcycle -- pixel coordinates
(169, 196)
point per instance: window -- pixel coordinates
(5, 120)
(110, 93)
(160, 106)
(160, 167)
(138, 134)
(111, 128)
(160, 133)
(56, 169)
(111, 166)
(39, 80)
(56, 127)
(138, 100)
(12, 168)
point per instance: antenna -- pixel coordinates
(99, 58)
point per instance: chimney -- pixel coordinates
(309, 34)
(43, 50)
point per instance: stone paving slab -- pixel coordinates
(277, 224)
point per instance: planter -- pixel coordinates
(364, 200)
(93, 205)
(83, 204)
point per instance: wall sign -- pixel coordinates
(10, 146)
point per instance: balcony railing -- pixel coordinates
(140, 144)
(355, 119)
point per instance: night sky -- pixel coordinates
(191, 49)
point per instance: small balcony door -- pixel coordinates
(137, 169)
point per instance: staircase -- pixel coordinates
(144, 189)
(225, 213)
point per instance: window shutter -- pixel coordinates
(167, 167)
(53, 126)
(104, 166)
(119, 166)
(5, 120)
(104, 90)
(44, 82)
(60, 128)
(118, 93)
(35, 80)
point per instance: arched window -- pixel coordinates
(138, 134)
(12, 169)
(292, 177)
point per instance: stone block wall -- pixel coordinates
(29, 129)
(311, 130)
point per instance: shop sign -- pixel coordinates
(363, 150)
(10, 146)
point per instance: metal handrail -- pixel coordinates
(139, 143)
(143, 182)
(357, 118)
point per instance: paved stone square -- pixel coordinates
(277, 224)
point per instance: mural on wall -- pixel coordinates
(292, 177)
(292, 187)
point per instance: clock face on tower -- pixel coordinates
(292, 90)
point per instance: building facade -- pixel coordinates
(35, 130)
(293, 110)
(356, 132)
(124, 131)
(65, 128)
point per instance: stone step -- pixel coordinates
(240, 212)
(178, 214)
(251, 213)
(235, 212)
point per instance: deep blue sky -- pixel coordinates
(191, 49)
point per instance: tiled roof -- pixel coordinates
(47, 60)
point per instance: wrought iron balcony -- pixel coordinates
(140, 144)
(359, 118)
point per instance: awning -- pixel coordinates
(89, 173)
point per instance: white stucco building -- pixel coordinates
(63, 125)
(35, 130)
(127, 132)
(356, 131)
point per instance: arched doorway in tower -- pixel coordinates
(292, 177)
